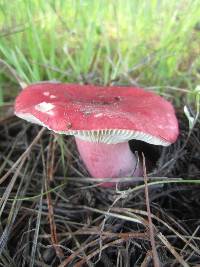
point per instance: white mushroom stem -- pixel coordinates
(109, 160)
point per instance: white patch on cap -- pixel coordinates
(45, 108)
(52, 96)
(98, 115)
(46, 93)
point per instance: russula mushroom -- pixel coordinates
(103, 120)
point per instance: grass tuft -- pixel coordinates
(147, 42)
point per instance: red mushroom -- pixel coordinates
(103, 120)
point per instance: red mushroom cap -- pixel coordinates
(99, 114)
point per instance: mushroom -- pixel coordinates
(103, 120)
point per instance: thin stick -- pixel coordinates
(90, 256)
(14, 73)
(24, 155)
(151, 228)
(75, 253)
(54, 238)
(172, 250)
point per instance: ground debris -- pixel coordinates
(95, 226)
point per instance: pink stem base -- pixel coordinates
(108, 160)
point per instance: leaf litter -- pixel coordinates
(54, 214)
